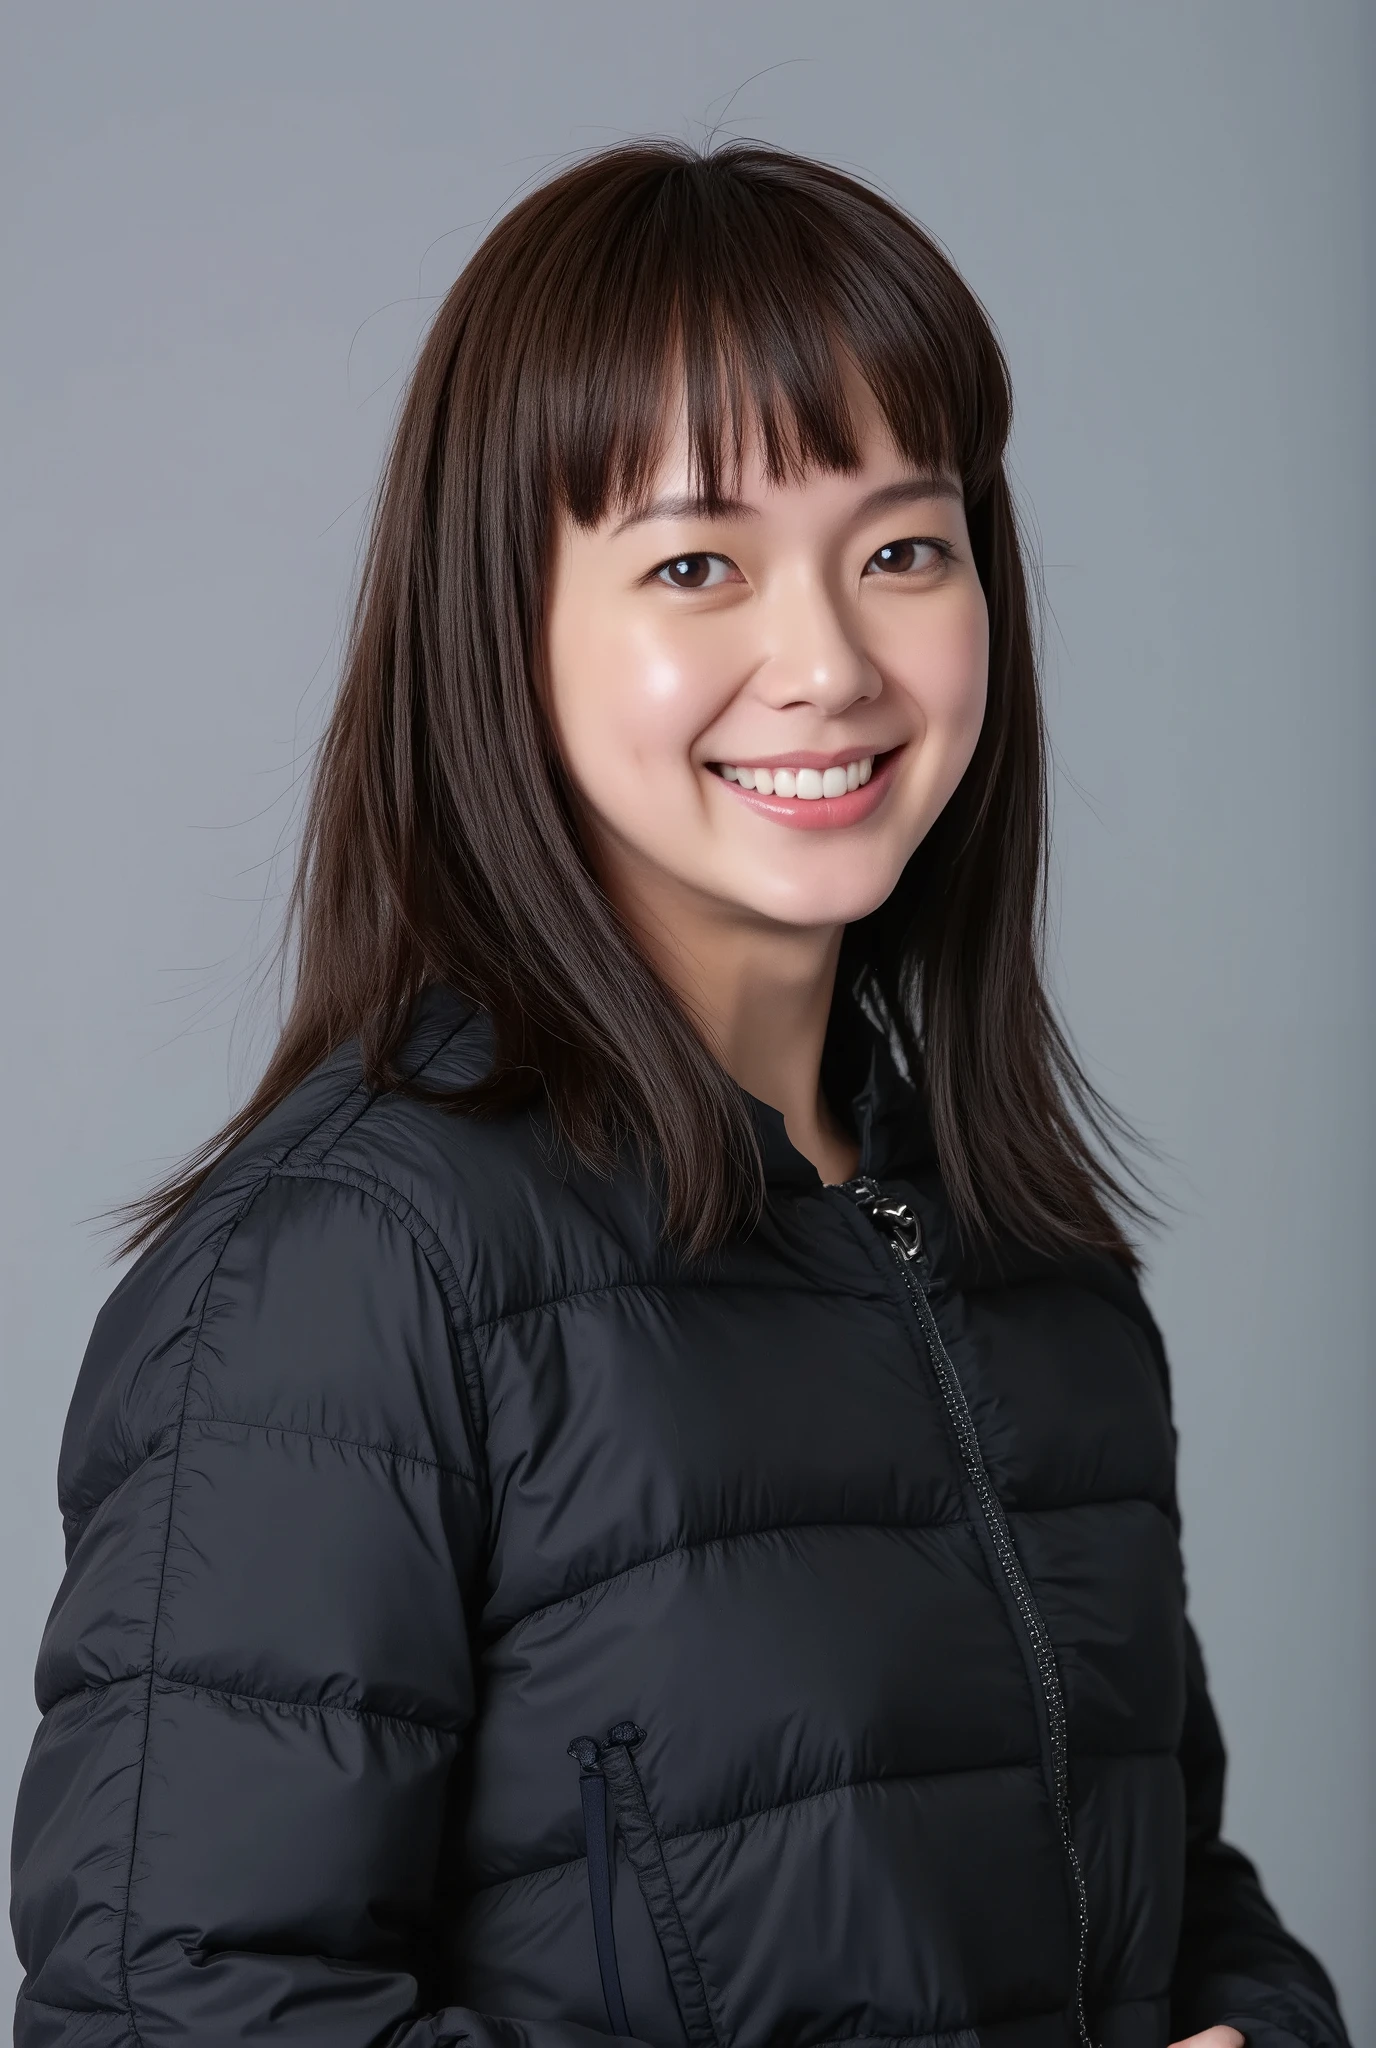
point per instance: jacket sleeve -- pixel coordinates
(256, 1679)
(1237, 1964)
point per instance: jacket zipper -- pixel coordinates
(899, 1226)
(613, 1800)
(598, 1834)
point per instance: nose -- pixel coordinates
(814, 653)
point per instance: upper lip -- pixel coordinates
(804, 757)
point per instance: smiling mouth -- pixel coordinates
(803, 784)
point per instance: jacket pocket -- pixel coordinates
(613, 1800)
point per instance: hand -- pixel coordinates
(1214, 2037)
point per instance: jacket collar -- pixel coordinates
(864, 1073)
(868, 1084)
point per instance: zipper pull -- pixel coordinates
(590, 1756)
(887, 1213)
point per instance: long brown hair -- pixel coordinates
(441, 842)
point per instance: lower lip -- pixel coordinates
(821, 813)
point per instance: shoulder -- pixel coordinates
(333, 1123)
(1084, 1296)
(341, 1172)
(1004, 1264)
(306, 1287)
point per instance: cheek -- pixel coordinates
(947, 676)
(632, 693)
(660, 691)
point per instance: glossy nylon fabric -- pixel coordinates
(412, 1456)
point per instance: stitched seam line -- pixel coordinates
(164, 1678)
(370, 1096)
(76, 1520)
(729, 1536)
(724, 1827)
(343, 1707)
(250, 1196)
(668, 1283)
(228, 1229)
(97, 1685)
(441, 1266)
(192, 1355)
(348, 1443)
(77, 2012)
(1033, 1763)
(406, 1213)
(754, 1813)
(431, 1247)
(282, 1166)
(1077, 1507)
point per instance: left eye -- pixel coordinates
(694, 572)
(900, 557)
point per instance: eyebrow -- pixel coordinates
(905, 490)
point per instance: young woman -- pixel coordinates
(632, 1489)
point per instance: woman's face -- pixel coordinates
(763, 712)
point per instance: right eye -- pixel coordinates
(694, 572)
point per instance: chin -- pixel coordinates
(808, 908)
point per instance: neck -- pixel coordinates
(760, 993)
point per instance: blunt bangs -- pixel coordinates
(746, 296)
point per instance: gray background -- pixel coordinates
(224, 229)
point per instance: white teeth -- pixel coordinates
(806, 783)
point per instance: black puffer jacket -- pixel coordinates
(847, 1572)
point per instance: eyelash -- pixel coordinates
(944, 550)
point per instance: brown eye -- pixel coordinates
(693, 572)
(900, 557)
